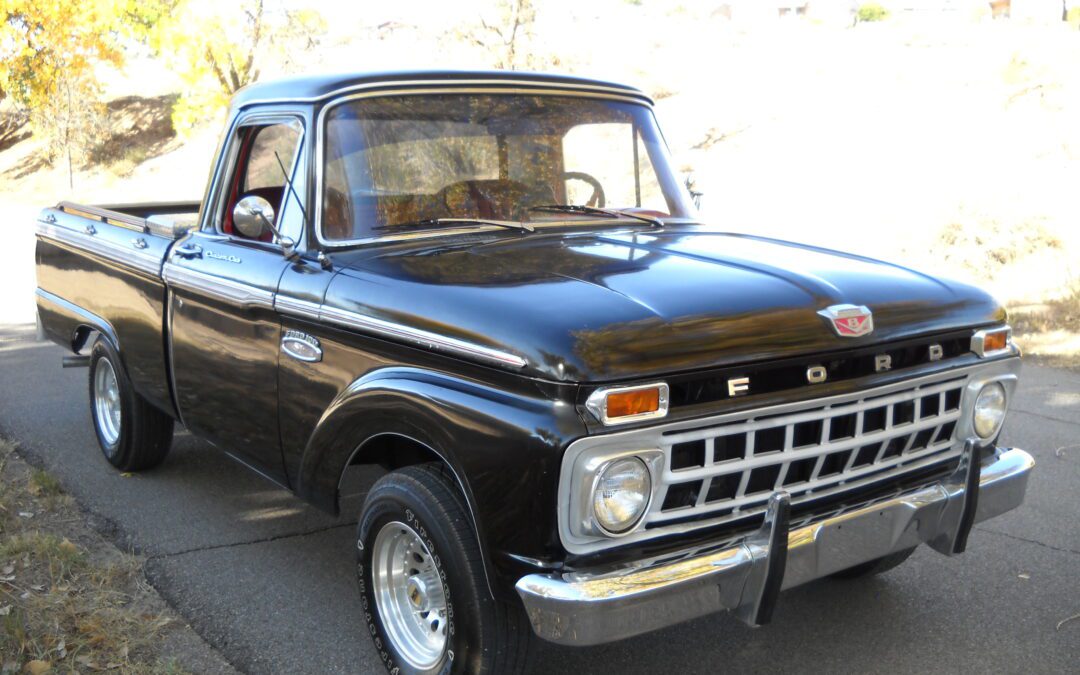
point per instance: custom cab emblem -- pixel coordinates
(301, 346)
(849, 320)
(226, 257)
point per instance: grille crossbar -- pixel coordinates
(728, 471)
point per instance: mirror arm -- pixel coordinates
(286, 243)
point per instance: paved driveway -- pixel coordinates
(268, 580)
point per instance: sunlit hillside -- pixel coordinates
(946, 141)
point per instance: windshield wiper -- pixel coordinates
(429, 222)
(595, 211)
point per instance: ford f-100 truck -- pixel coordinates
(597, 415)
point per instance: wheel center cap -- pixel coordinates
(417, 592)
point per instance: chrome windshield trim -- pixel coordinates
(400, 333)
(125, 256)
(425, 86)
(442, 87)
(218, 288)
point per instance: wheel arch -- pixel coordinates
(400, 416)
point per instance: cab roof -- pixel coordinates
(312, 88)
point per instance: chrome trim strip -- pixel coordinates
(421, 338)
(131, 258)
(442, 87)
(589, 607)
(573, 492)
(299, 308)
(498, 85)
(218, 288)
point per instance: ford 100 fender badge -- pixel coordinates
(301, 346)
(849, 320)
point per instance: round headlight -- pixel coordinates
(989, 410)
(622, 494)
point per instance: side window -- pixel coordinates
(271, 142)
(257, 170)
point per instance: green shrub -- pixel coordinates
(1073, 16)
(871, 11)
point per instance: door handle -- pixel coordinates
(188, 252)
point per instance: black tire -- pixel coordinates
(484, 635)
(145, 433)
(872, 567)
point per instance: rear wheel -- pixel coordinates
(422, 583)
(872, 567)
(133, 435)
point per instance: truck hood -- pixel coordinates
(609, 306)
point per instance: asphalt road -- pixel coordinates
(269, 580)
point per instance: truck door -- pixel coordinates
(224, 331)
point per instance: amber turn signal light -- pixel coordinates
(990, 342)
(623, 404)
(617, 405)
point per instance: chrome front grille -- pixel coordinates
(719, 471)
(727, 471)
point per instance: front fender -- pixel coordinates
(504, 446)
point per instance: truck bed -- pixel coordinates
(99, 270)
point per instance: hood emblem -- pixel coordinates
(849, 320)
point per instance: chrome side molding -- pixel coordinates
(218, 288)
(397, 332)
(86, 240)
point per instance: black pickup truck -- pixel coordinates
(597, 415)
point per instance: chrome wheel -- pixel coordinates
(107, 402)
(409, 595)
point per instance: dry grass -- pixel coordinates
(1050, 330)
(69, 602)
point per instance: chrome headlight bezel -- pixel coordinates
(586, 479)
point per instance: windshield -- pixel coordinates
(398, 162)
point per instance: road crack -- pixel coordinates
(236, 544)
(1045, 417)
(1029, 541)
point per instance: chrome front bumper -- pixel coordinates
(583, 608)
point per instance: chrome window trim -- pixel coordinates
(129, 257)
(597, 404)
(578, 88)
(440, 87)
(211, 223)
(397, 332)
(570, 508)
(978, 341)
(226, 290)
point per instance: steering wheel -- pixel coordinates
(597, 198)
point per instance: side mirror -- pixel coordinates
(253, 216)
